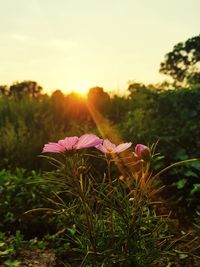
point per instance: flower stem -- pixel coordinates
(110, 195)
(87, 216)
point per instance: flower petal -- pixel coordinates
(102, 148)
(53, 148)
(88, 140)
(107, 144)
(68, 142)
(122, 147)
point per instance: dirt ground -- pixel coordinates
(47, 258)
(36, 258)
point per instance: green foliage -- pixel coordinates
(12, 247)
(9, 247)
(145, 116)
(135, 236)
(172, 118)
(187, 182)
(26, 124)
(20, 192)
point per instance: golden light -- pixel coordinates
(80, 87)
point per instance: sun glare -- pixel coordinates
(80, 87)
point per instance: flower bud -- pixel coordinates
(142, 152)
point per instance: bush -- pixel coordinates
(170, 117)
(20, 192)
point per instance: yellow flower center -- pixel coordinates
(109, 149)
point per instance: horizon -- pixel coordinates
(76, 45)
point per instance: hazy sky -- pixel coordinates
(63, 44)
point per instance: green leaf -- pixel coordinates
(12, 263)
(6, 252)
(196, 189)
(195, 164)
(191, 174)
(42, 244)
(182, 256)
(181, 183)
(2, 244)
(181, 154)
(72, 230)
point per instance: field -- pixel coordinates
(105, 180)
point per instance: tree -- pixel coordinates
(24, 89)
(99, 98)
(182, 64)
(135, 86)
(3, 90)
(58, 96)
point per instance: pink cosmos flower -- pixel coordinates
(142, 151)
(72, 143)
(108, 148)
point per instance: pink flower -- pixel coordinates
(72, 143)
(88, 140)
(142, 151)
(108, 148)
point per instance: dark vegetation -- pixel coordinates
(170, 117)
(148, 114)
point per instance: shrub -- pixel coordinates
(19, 192)
(108, 218)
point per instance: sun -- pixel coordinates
(80, 87)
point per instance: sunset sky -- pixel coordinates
(77, 44)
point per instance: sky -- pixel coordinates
(78, 44)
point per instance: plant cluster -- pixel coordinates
(91, 215)
(107, 217)
(21, 191)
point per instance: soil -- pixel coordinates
(36, 258)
